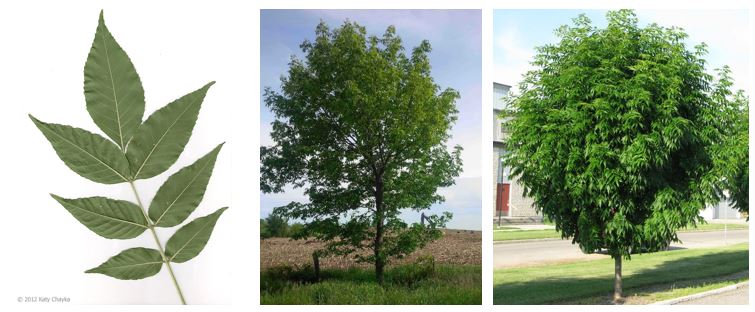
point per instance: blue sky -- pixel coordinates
(455, 36)
(517, 32)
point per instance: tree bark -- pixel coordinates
(316, 262)
(618, 295)
(379, 216)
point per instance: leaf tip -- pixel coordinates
(40, 124)
(93, 270)
(102, 16)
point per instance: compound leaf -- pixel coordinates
(190, 239)
(183, 191)
(109, 218)
(131, 264)
(113, 91)
(88, 154)
(159, 141)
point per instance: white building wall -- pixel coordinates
(721, 211)
(519, 206)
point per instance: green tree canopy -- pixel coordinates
(615, 134)
(276, 226)
(362, 128)
(733, 153)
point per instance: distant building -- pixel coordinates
(722, 211)
(510, 204)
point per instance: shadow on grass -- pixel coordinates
(554, 284)
(669, 248)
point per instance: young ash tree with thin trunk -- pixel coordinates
(136, 150)
(616, 135)
(362, 128)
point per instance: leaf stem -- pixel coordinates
(151, 227)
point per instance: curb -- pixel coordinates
(702, 294)
(531, 240)
(708, 231)
(523, 230)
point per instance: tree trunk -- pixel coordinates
(316, 261)
(379, 216)
(618, 295)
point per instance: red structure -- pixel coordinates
(502, 199)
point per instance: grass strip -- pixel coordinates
(648, 295)
(406, 284)
(547, 284)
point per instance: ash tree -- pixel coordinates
(362, 127)
(733, 151)
(616, 134)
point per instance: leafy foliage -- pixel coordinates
(115, 101)
(276, 226)
(264, 231)
(616, 134)
(733, 151)
(362, 127)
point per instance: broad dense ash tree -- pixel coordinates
(616, 134)
(363, 128)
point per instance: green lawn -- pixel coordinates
(651, 294)
(718, 227)
(539, 234)
(676, 291)
(408, 284)
(524, 234)
(505, 228)
(588, 281)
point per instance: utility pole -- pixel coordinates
(726, 223)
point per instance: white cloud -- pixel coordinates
(462, 197)
(434, 25)
(726, 32)
(512, 57)
(265, 129)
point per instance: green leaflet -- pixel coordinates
(131, 264)
(190, 239)
(158, 142)
(182, 192)
(113, 91)
(86, 153)
(109, 218)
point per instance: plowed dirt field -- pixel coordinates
(456, 247)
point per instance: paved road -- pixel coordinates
(555, 251)
(737, 296)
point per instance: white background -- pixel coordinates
(176, 47)
(175, 50)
